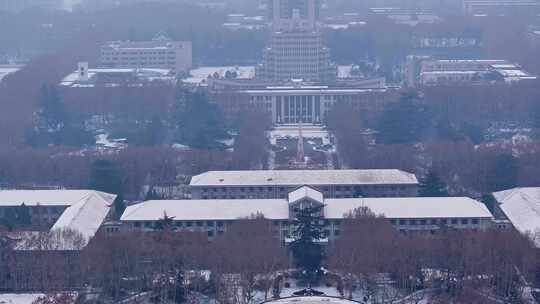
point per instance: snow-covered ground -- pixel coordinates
(19, 298)
(308, 131)
(103, 141)
(200, 75)
(8, 69)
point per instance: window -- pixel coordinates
(465, 221)
(423, 222)
(210, 224)
(402, 222)
(189, 224)
(412, 222)
(199, 223)
(433, 222)
(137, 224)
(475, 221)
(276, 223)
(454, 221)
(220, 224)
(393, 221)
(444, 221)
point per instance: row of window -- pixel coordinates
(325, 189)
(135, 53)
(422, 222)
(186, 224)
(139, 58)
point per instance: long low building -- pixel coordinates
(521, 206)
(214, 215)
(83, 211)
(278, 183)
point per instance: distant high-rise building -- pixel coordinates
(296, 49)
(289, 15)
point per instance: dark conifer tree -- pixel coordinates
(306, 248)
(23, 216)
(165, 222)
(433, 186)
(403, 122)
(179, 290)
(106, 176)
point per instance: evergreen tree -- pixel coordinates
(23, 216)
(536, 118)
(504, 173)
(199, 123)
(179, 290)
(119, 205)
(152, 195)
(53, 112)
(490, 202)
(404, 121)
(150, 134)
(165, 222)
(309, 230)
(106, 176)
(432, 186)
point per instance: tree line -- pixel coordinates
(248, 262)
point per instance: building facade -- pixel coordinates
(176, 56)
(213, 216)
(83, 211)
(476, 71)
(295, 49)
(292, 103)
(276, 184)
(500, 7)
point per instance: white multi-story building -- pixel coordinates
(272, 184)
(213, 216)
(161, 54)
(440, 72)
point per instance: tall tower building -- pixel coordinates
(296, 49)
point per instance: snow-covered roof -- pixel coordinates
(6, 70)
(146, 45)
(201, 74)
(410, 207)
(41, 197)
(86, 209)
(186, 210)
(19, 298)
(522, 207)
(303, 177)
(87, 214)
(414, 207)
(305, 192)
(148, 74)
